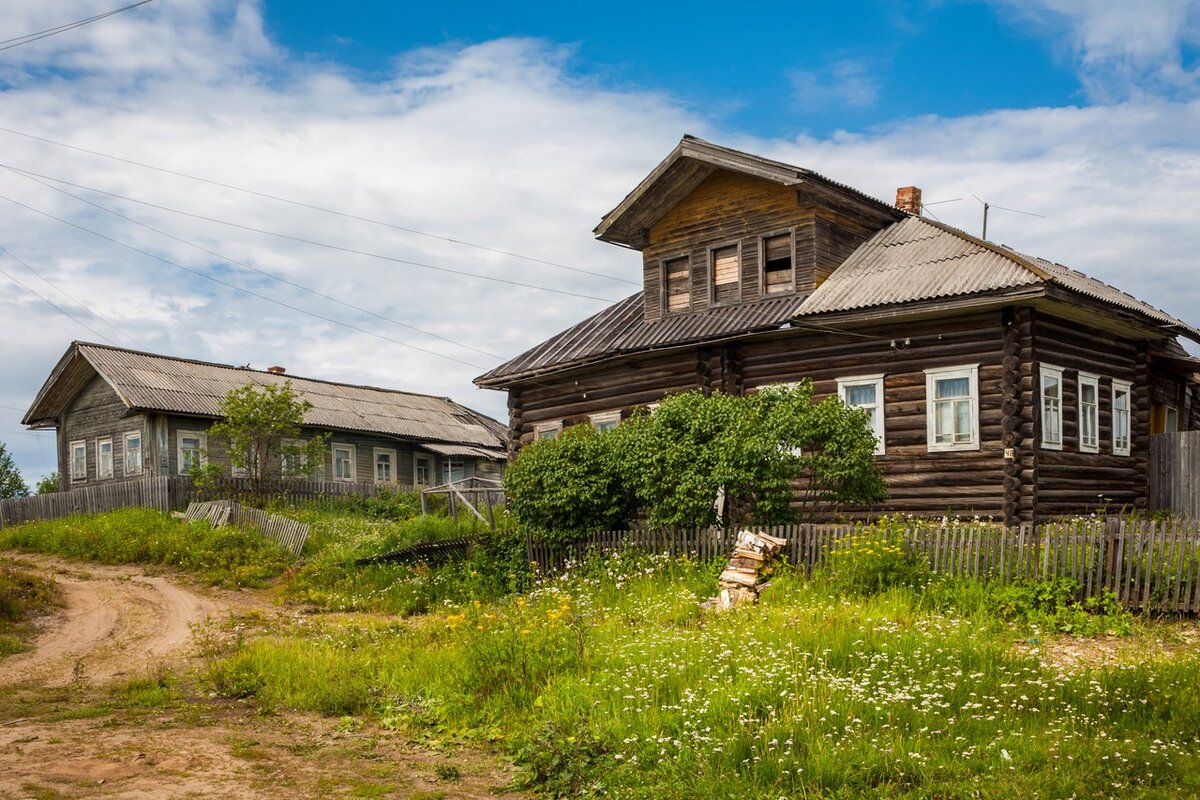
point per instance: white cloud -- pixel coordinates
(494, 143)
(845, 83)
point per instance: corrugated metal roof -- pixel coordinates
(149, 382)
(621, 328)
(914, 260)
(463, 450)
(918, 259)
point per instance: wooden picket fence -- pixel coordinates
(149, 493)
(286, 531)
(1147, 565)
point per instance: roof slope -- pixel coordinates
(156, 383)
(917, 259)
(622, 328)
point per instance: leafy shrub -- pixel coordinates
(1056, 605)
(873, 560)
(561, 761)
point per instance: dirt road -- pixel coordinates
(118, 622)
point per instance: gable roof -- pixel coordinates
(687, 166)
(146, 382)
(918, 259)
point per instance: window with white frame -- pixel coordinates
(104, 458)
(190, 446)
(295, 463)
(866, 392)
(343, 462)
(1122, 402)
(952, 408)
(1051, 379)
(132, 446)
(606, 421)
(453, 470)
(385, 465)
(422, 470)
(547, 430)
(78, 461)
(1089, 413)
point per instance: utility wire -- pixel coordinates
(313, 242)
(74, 300)
(322, 209)
(251, 268)
(17, 41)
(54, 305)
(237, 288)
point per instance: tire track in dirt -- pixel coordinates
(117, 622)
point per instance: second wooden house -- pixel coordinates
(998, 384)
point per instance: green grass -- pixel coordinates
(229, 556)
(23, 595)
(611, 681)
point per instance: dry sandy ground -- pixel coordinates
(61, 737)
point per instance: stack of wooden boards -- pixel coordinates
(742, 579)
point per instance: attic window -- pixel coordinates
(777, 263)
(676, 279)
(726, 264)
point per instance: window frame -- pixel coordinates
(101, 473)
(711, 270)
(1093, 380)
(1045, 370)
(932, 376)
(431, 469)
(554, 428)
(202, 458)
(1170, 413)
(762, 261)
(305, 471)
(663, 272)
(448, 468)
(125, 449)
(333, 465)
(875, 381)
(603, 418)
(389, 451)
(1127, 388)
(73, 448)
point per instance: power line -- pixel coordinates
(322, 209)
(17, 41)
(313, 242)
(74, 300)
(237, 288)
(251, 268)
(54, 305)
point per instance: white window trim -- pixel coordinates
(201, 436)
(333, 448)
(868, 380)
(417, 459)
(72, 448)
(375, 453)
(604, 417)
(555, 427)
(1127, 387)
(125, 453)
(1045, 370)
(1089, 379)
(112, 465)
(969, 371)
(447, 468)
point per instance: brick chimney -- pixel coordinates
(908, 198)
(276, 370)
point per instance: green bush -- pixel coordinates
(1056, 605)
(231, 556)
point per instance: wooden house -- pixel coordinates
(123, 415)
(998, 383)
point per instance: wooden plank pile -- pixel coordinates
(742, 579)
(286, 531)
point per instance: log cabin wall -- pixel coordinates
(734, 209)
(1069, 481)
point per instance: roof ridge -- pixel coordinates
(1019, 259)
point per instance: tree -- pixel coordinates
(11, 482)
(260, 432)
(48, 484)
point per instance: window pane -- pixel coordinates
(1088, 392)
(952, 387)
(862, 395)
(962, 421)
(944, 430)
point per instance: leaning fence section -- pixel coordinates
(289, 533)
(1147, 565)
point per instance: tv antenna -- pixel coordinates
(988, 206)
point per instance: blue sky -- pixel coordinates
(516, 127)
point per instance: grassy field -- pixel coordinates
(610, 681)
(23, 595)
